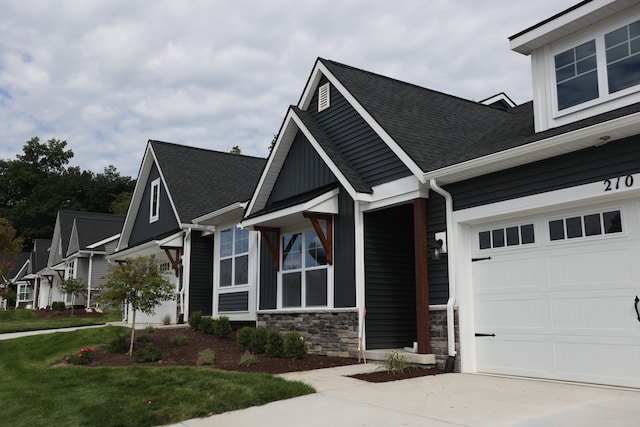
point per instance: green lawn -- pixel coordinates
(39, 390)
(20, 320)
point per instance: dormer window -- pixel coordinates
(598, 70)
(154, 200)
(324, 97)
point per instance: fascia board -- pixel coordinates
(210, 218)
(104, 241)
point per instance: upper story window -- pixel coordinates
(599, 68)
(304, 270)
(234, 257)
(576, 75)
(154, 200)
(623, 57)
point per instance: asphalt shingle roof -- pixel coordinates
(66, 225)
(201, 181)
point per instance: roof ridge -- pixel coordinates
(155, 141)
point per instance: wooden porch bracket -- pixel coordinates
(327, 241)
(422, 278)
(274, 248)
(174, 258)
(60, 274)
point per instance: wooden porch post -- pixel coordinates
(422, 280)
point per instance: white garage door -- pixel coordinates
(554, 295)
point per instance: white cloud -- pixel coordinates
(109, 75)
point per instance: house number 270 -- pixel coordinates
(617, 183)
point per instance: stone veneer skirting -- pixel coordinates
(327, 332)
(335, 332)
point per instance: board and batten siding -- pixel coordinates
(201, 274)
(167, 222)
(344, 271)
(303, 171)
(360, 145)
(268, 289)
(592, 164)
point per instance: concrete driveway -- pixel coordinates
(442, 400)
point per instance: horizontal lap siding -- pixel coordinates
(437, 269)
(581, 167)
(201, 274)
(360, 145)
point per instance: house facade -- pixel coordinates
(498, 238)
(79, 248)
(185, 212)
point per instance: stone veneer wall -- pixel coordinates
(439, 337)
(329, 333)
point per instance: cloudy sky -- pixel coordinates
(106, 76)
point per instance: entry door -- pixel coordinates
(560, 306)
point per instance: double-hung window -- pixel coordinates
(304, 270)
(234, 257)
(623, 57)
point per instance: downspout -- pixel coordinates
(451, 336)
(90, 277)
(181, 279)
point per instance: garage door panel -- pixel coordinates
(593, 267)
(504, 273)
(606, 310)
(503, 313)
(526, 356)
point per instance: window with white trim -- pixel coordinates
(578, 226)
(600, 68)
(24, 292)
(154, 200)
(71, 273)
(304, 272)
(234, 257)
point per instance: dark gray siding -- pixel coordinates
(437, 269)
(302, 171)
(238, 301)
(344, 253)
(143, 230)
(360, 145)
(268, 278)
(201, 277)
(581, 167)
(390, 289)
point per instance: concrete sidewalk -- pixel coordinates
(441, 400)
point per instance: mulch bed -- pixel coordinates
(227, 354)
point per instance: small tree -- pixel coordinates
(75, 288)
(138, 283)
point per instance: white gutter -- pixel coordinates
(451, 336)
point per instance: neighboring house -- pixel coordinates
(37, 277)
(184, 212)
(79, 248)
(499, 237)
(15, 281)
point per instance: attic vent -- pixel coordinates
(324, 100)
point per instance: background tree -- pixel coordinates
(138, 283)
(10, 247)
(40, 182)
(75, 288)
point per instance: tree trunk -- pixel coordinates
(133, 333)
(73, 302)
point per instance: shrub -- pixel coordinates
(118, 345)
(294, 345)
(258, 340)
(206, 357)
(166, 320)
(179, 341)
(150, 353)
(222, 327)
(83, 357)
(275, 344)
(243, 337)
(207, 325)
(248, 359)
(149, 330)
(395, 363)
(58, 305)
(143, 338)
(194, 320)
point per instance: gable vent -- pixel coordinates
(323, 97)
